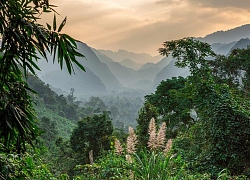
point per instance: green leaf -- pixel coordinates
(79, 65)
(54, 23)
(68, 63)
(62, 24)
(48, 26)
(72, 40)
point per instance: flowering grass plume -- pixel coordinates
(152, 141)
(168, 146)
(161, 136)
(118, 147)
(131, 141)
(129, 158)
(156, 139)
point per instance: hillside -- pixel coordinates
(84, 83)
(97, 78)
(168, 72)
(141, 79)
(110, 72)
(120, 55)
(241, 44)
(228, 36)
(130, 64)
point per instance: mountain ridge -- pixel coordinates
(106, 70)
(230, 35)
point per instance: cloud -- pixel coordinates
(169, 2)
(143, 25)
(181, 22)
(242, 4)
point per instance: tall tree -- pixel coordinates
(147, 112)
(224, 128)
(23, 39)
(174, 104)
(92, 133)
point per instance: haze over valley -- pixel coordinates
(109, 72)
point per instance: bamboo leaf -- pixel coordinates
(62, 24)
(79, 65)
(68, 63)
(54, 23)
(48, 26)
(72, 40)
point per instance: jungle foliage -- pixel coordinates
(23, 38)
(206, 114)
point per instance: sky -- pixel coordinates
(141, 26)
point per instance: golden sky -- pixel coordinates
(143, 25)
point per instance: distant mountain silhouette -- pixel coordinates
(108, 71)
(120, 55)
(130, 64)
(125, 75)
(84, 83)
(170, 71)
(97, 72)
(228, 36)
(131, 78)
(98, 68)
(222, 49)
(148, 65)
(241, 44)
(222, 42)
(225, 49)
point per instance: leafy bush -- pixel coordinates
(25, 166)
(151, 165)
(107, 167)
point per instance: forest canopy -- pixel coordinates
(23, 39)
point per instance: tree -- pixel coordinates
(94, 105)
(234, 69)
(49, 132)
(147, 112)
(23, 39)
(223, 129)
(173, 104)
(71, 98)
(92, 133)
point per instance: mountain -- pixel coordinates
(108, 71)
(98, 68)
(97, 78)
(148, 72)
(130, 64)
(125, 75)
(241, 44)
(134, 79)
(222, 49)
(120, 55)
(84, 83)
(170, 71)
(228, 36)
(222, 42)
(146, 66)
(164, 62)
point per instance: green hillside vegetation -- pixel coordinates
(192, 127)
(201, 122)
(195, 127)
(62, 125)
